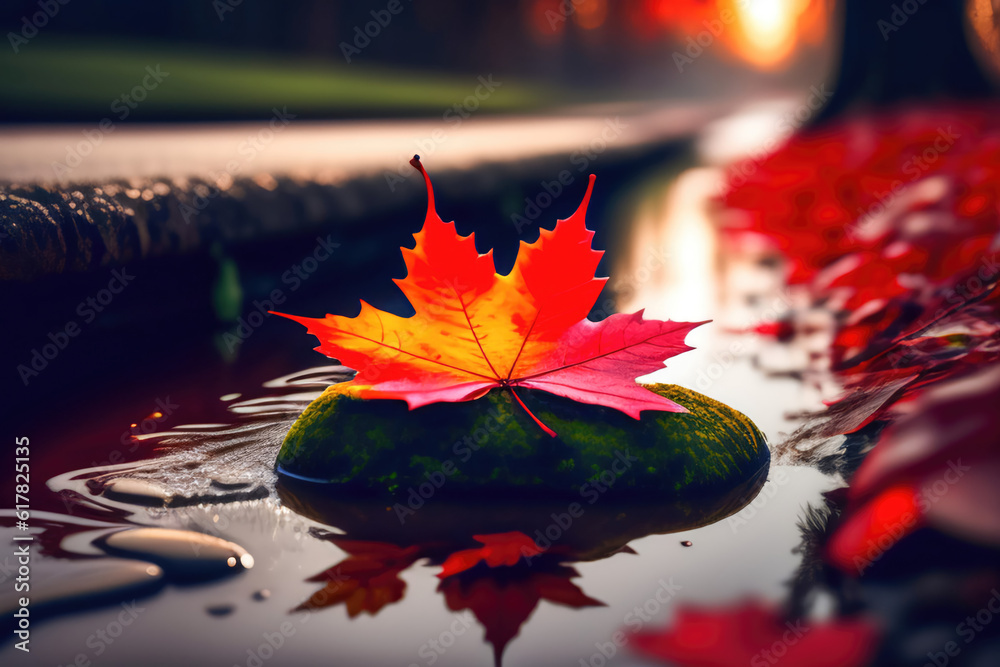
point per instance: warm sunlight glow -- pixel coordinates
(591, 14)
(671, 271)
(767, 30)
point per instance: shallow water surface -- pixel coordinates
(185, 547)
(216, 606)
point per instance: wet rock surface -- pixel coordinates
(184, 555)
(151, 494)
(52, 227)
(87, 583)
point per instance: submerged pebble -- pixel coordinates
(137, 492)
(86, 583)
(183, 554)
(150, 494)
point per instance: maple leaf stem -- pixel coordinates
(531, 414)
(416, 164)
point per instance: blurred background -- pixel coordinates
(338, 59)
(818, 177)
(213, 143)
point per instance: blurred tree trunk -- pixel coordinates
(893, 51)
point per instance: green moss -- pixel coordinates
(491, 445)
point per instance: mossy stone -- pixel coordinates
(491, 446)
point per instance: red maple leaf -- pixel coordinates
(475, 330)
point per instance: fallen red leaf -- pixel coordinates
(892, 221)
(754, 634)
(872, 529)
(945, 448)
(475, 330)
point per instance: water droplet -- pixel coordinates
(687, 543)
(261, 595)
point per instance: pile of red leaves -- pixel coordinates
(891, 222)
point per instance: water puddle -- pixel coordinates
(203, 528)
